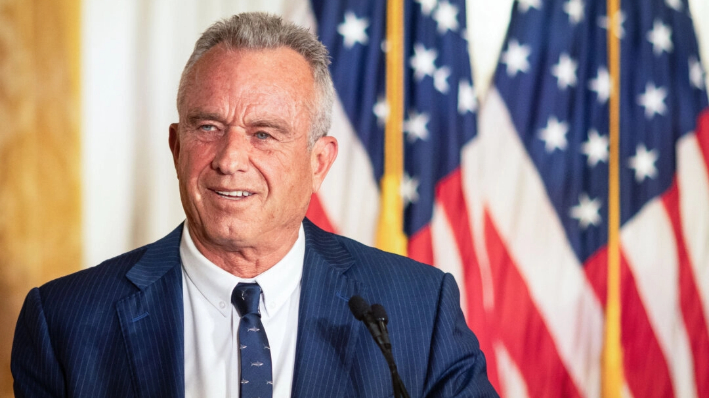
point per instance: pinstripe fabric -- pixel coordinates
(116, 330)
(437, 355)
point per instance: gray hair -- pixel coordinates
(257, 30)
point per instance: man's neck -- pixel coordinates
(247, 261)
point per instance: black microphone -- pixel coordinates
(380, 315)
(375, 318)
(361, 310)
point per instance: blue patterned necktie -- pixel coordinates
(254, 351)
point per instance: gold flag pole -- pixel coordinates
(390, 229)
(612, 367)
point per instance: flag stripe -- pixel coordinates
(349, 195)
(518, 203)
(642, 357)
(693, 182)
(513, 384)
(693, 218)
(421, 245)
(651, 253)
(451, 199)
(519, 320)
(446, 256)
(478, 279)
(690, 301)
(596, 270)
(316, 213)
(646, 371)
(703, 136)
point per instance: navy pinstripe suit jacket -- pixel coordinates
(116, 330)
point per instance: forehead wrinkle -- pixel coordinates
(271, 123)
(198, 115)
(241, 92)
(263, 110)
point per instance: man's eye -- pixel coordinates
(207, 127)
(261, 135)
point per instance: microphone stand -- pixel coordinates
(378, 329)
(380, 315)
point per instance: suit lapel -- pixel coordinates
(326, 329)
(152, 321)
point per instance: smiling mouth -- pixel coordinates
(234, 194)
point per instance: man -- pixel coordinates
(171, 319)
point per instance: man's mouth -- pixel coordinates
(234, 194)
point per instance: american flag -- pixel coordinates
(514, 201)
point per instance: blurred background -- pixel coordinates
(505, 181)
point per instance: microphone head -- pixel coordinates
(358, 306)
(379, 313)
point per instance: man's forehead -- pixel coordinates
(223, 58)
(258, 73)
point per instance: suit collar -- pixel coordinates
(152, 320)
(326, 329)
(159, 258)
(327, 247)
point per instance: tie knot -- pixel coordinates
(245, 298)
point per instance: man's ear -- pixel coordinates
(322, 156)
(174, 141)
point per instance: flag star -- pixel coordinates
(696, 74)
(653, 100)
(643, 163)
(617, 21)
(587, 211)
(575, 10)
(409, 189)
(525, 5)
(446, 17)
(554, 134)
(674, 4)
(423, 61)
(384, 46)
(465, 34)
(601, 85)
(659, 36)
(353, 29)
(467, 100)
(381, 110)
(565, 71)
(440, 79)
(516, 58)
(596, 148)
(427, 6)
(415, 126)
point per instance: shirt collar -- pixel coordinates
(277, 283)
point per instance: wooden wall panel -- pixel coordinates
(40, 167)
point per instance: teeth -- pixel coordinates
(234, 194)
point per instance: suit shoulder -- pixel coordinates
(98, 280)
(113, 267)
(375, 265)
(111, 272)
(370, 260)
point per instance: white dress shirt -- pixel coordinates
(212, 323)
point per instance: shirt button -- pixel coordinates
(222, 304)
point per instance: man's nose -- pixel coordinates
(233, 153)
